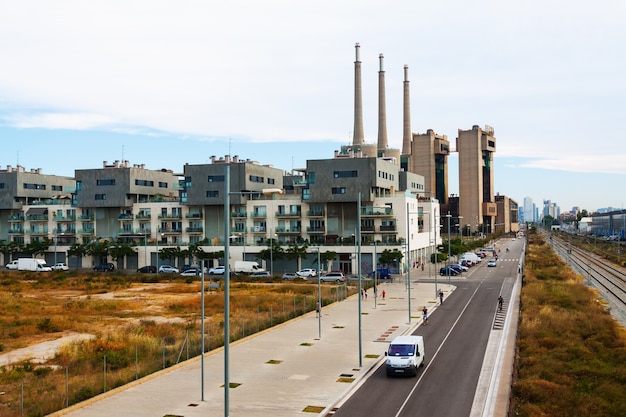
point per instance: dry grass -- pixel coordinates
(158, 323)
(571, 353)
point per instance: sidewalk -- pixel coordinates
(282, 370)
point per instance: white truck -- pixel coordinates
(31, 264)
(247, 267)
(405, 355)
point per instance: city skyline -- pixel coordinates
(169, 84)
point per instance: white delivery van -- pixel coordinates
(472, 257)
(247, 267)
(30, 264)
(405, 355)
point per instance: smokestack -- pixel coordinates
(358, 138)
(382, 111)
(406, 137)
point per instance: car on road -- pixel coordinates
(218, 270)
(105, 267)
(333, 276)
(290, 276)
(168, 269)
(260, 274)
(445, 269)
(60, 266)
(148, 269)
(492, 263)
(306, 272)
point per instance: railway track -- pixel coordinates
(608, 278)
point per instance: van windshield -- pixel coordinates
(401, 350)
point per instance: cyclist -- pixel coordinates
(425, 315)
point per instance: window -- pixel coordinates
(187, 182)
(311, 178)
(100, 197)
(28, 186)
(216, 178)
(57, 188)
(339, 190)
(212, 193)
(1, 185)
(271, 181)
(162, 184)
(346, 174)
(105, 182)
(144, 183)
(256, 178)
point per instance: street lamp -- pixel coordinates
(358, 267)
(408, 251)
(430, 243)
(319, 296)
(449, 216)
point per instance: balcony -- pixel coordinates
(316, 213)
(16, 231)
(287, 231)
(288, 215)
(368, 229)
(174, 216)
(85, 217)
(145, 216)
(316, 229)
(258, 215)
(37, 217)
(376, 212)
(193, 216)
(16, 218)
(125, 216)
(60, 218)
(390, 228)
(194, 229)
(258, 229)
(66, 232)
(170, 230)
(239, 214)
(86, 231)
(37, 232)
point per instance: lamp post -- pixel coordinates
(449, 216)
(157, 251)
(408, 251)
(319, 296)
(375, 262)
(358, 267)
(430, 243)
(55, 243)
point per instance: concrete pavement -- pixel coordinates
(284, 371)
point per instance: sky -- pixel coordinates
(165, 83)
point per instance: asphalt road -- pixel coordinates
(455, 342)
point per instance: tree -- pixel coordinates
(391, 257)
(37, 247)
(120, 250)
(78, 250)
(98, 248)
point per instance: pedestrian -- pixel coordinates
(362, 293)
(365, 291)
(500, 302)
(384, 293)
(441, 296)
(425, 315)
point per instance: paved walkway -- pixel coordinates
(282, 370)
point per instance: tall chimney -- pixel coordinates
(406, 137)
(358, 137)
(382, 111)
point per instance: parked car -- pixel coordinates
(191, 272)
(492, 263)
(290, 276)
(466, 263)
(333, 276)
(60, 266)
(445, 269)
(148, 269)
(460, 267)
(261, 274)
(306, 272)
(218, 270)
(168, 269)
(105, 267)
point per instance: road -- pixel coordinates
(455, 342)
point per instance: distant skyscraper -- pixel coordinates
(529, 213)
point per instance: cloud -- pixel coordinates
(54, 120)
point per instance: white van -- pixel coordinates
(405, 355)
(472, 257)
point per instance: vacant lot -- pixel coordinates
(129, 328)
